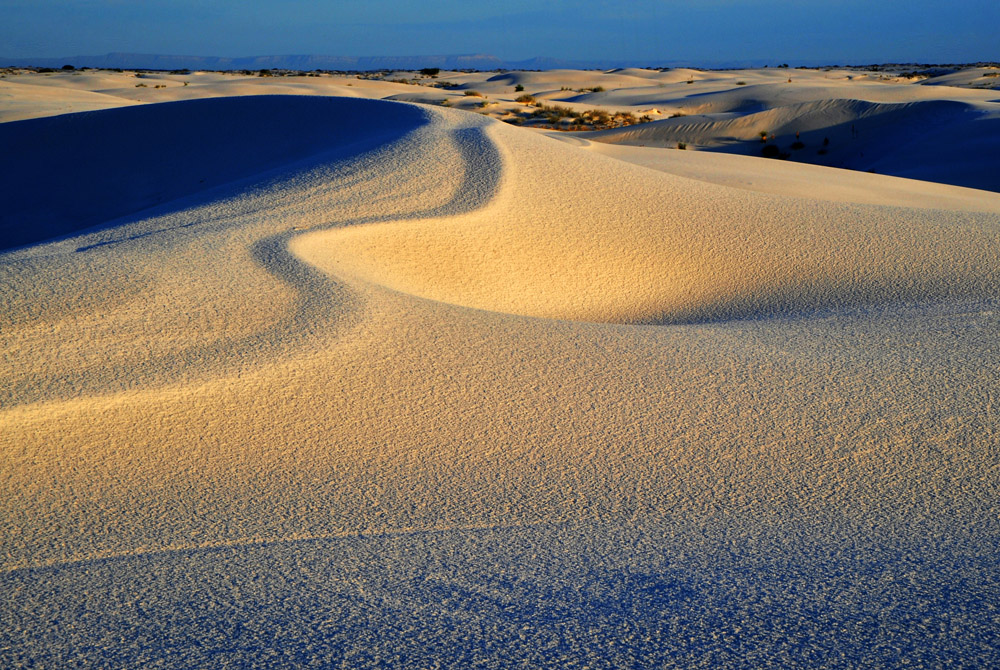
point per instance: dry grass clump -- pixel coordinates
(526, 99)
(565, 118)
(474, 94)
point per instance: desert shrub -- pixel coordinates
(140, 86)
(677, 115)
(526, 99)
(474, 94)
(690, 81)
(682, 145)
(598, 117)
(770, 151)
(515, 120)
(741, 83)
(555, 114)
(625, 118)
(430, 71)
(518, 88)
(592, 89)
(68, 67)
(798, 145)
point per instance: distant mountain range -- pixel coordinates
(131, 61)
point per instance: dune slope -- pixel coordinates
(631, 245)
(390, 406)
(80, 170)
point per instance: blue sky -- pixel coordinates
(646, 31)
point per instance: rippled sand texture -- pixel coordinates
(405, 386)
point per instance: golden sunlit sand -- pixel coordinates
(404, 384)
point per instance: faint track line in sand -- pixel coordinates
(144, 552)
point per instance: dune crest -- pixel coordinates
(579, 237)
(224, 441)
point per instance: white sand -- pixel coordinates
(384, 398)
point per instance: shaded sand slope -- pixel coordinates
(80, 170)
(347, 475)
(943, 141)
(193, 281)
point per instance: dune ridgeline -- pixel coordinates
(345, 382)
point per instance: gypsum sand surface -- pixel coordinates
(938, 124)
(284, 419)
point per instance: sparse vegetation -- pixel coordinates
(518, 88)
(682, 145)
(474, 94)
(741, 83)
(557, 116)
(430, 71)
(526, 99)
(773, 151)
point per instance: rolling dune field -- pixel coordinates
(299, 373)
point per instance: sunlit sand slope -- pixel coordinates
(312, 418)
(588, 238)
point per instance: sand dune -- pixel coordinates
(943, 141)
(152, 156)
(639, 247)
(406, 386)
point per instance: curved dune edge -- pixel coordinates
(576, 236)
(203, 145)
